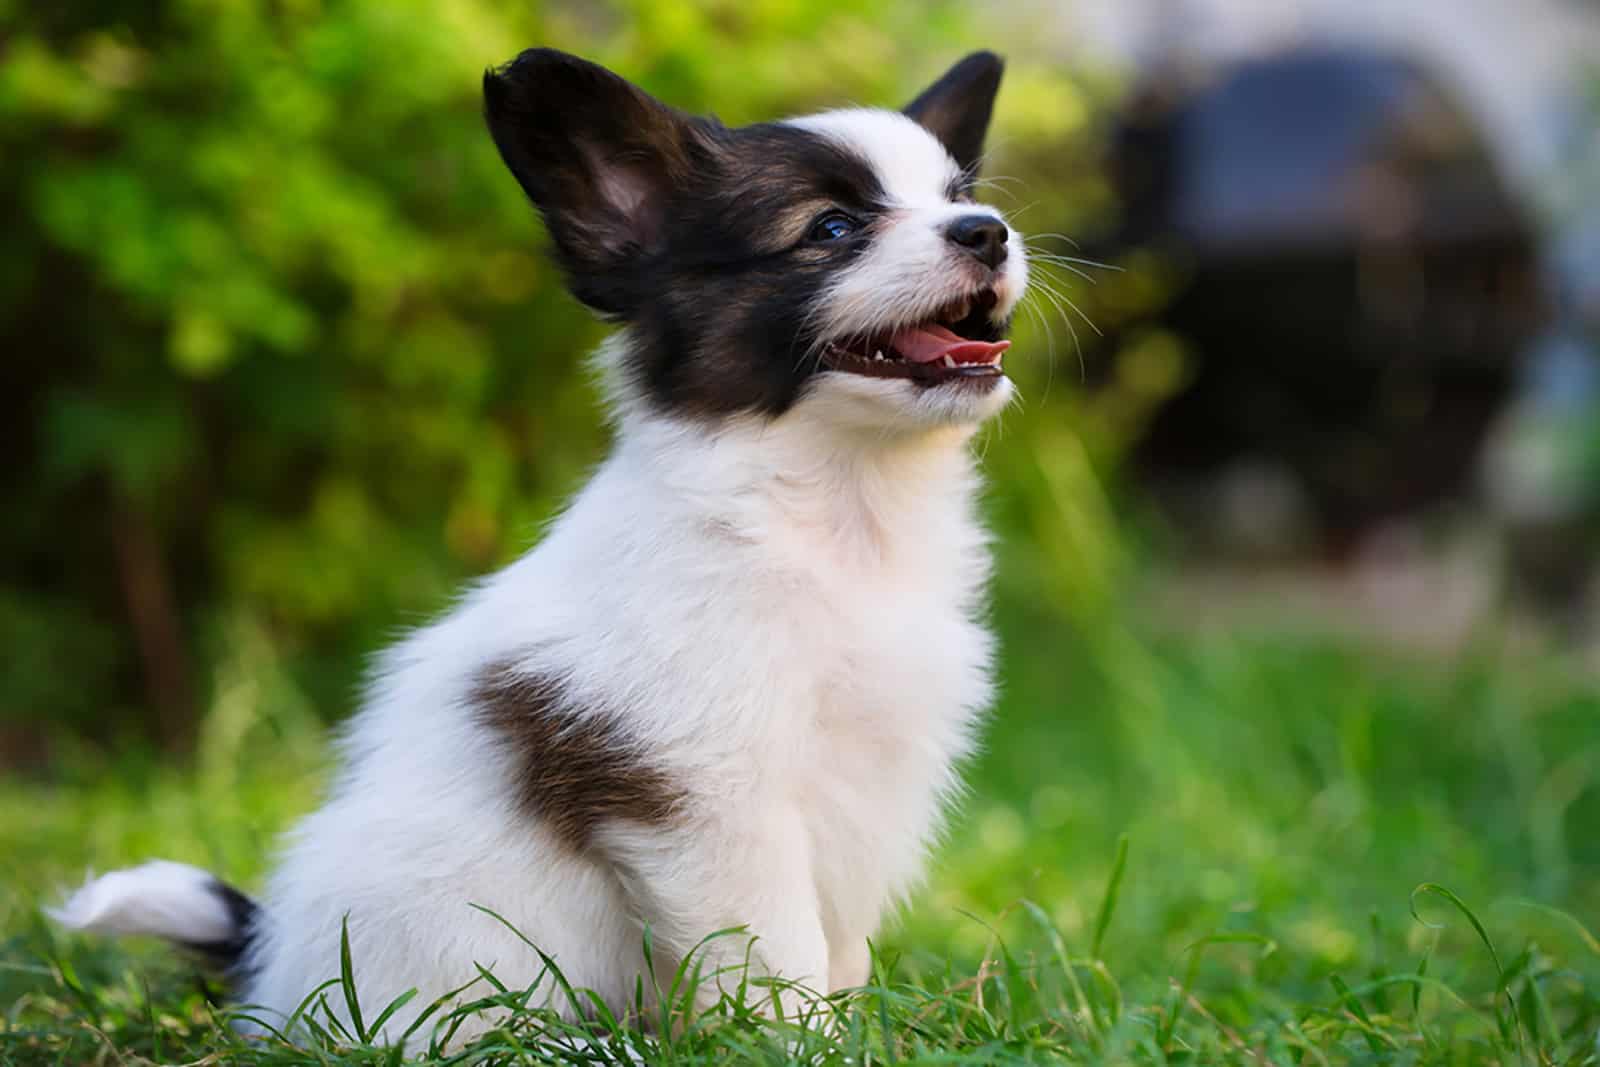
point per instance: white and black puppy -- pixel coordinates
(733, 684)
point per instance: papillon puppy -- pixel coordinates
(734, 683)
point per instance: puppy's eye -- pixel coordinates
(834, 226)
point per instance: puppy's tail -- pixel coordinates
(182, 904)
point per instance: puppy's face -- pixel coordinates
(836, 262)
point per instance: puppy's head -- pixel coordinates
(836, 262)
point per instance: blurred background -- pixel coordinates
(1297, 523)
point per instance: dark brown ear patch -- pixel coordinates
(574, 769)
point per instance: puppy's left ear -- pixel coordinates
(956, 108)
(599, 157)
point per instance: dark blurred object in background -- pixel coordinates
(1358, 283)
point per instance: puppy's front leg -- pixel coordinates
(749, 868)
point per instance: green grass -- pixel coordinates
(1330, 856)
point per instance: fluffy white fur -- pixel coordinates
(159, 899)
(786, 613)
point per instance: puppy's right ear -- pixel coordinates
(956, 108)
(599, 157)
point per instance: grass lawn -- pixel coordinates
(1287, 805)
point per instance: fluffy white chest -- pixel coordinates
(836, 661)
(898, 704)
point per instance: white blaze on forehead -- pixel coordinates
(906, 273)
(913, 166)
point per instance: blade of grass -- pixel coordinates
(1353, 1003)
(347, 981)
(1108, 901)
(394, 1005)
(1059, 947)
(1514, 1030)
(1194, 952)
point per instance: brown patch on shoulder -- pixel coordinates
(573, 770)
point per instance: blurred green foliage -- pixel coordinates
(285, 364)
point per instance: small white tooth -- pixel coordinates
(948, 362)
(878, 354)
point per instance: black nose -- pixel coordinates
(982, 235)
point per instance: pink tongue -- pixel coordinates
(928, 344)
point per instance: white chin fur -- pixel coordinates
(879, 405)
(159, 899)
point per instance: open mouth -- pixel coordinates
(959, 341)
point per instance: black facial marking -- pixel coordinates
(740, 273)
(956, 108)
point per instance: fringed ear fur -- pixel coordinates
(598, 156)
(956, 108)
